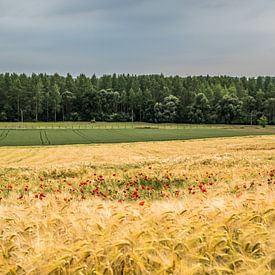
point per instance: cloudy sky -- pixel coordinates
(185, 37)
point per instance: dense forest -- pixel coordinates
(150, 98)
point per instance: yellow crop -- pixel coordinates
(229, 229)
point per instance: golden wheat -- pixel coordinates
(225, 231)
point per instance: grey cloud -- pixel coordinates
(138, 36)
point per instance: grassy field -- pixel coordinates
(173, 207)
(80, 135)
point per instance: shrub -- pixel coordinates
(263, 121)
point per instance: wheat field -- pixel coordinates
(177, 207)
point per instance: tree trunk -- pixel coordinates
(55, 111)
(63, 114)
(22, 116)
(18, 108)
(47, 110)
(36, 110)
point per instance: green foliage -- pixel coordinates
(148, 98)
(3, 116)
(263, 121)
(229, 108)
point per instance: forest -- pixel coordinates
(147, 98)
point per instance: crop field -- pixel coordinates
(169, 207)
(80, 135)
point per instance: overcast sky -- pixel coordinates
(185, 37)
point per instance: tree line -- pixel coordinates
(148, 98)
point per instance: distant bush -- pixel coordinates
(263, 121)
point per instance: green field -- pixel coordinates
(80, 135)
